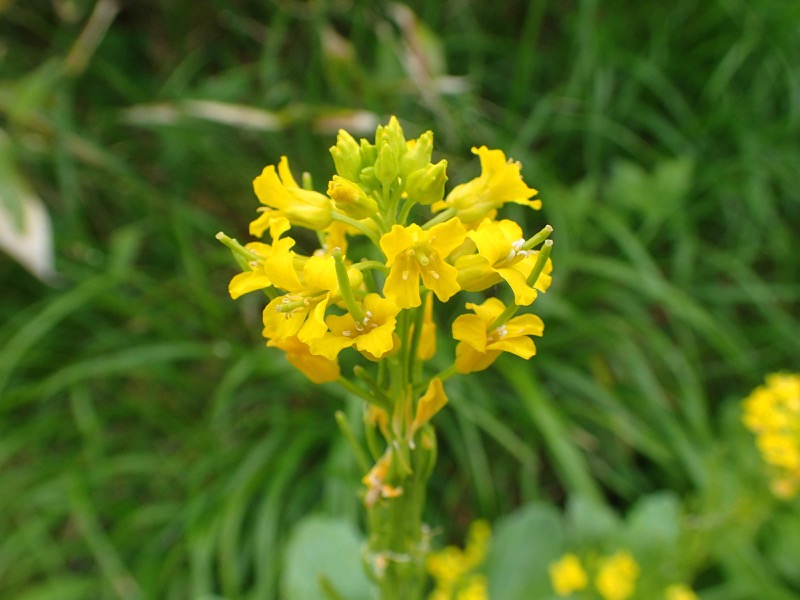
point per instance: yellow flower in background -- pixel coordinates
(286, 203)
(679, 591)
(772, 413)
(317, 368)
(454, 570)
(500, 182)
(372, 336)
(567, 575)
(412, 252)
(616, 577)
(479, 346)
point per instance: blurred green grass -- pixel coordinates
(150, 447)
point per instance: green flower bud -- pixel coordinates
(392, 134)
(418, 155)
(351, 199)
(426, 185)
(368, 154)
(346, 156)
(387, 166)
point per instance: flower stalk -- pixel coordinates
(380, 305)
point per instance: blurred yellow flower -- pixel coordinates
(454, 570)
(679, 591)
(567, 575)
(616, 577)
(772, 413)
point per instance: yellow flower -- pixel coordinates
(567, 575)
(374, 336)
(772, 413)
(500, 245)
(257, 278)
(317, 368)
(679, 592)
(453, 570)
(500, 182)
(412, 252)
(479, 347)
(616, 578)
(287, 203)
(301, 311)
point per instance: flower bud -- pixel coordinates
(418, 155)
(387, 166)
(426, 185)
(351, 199)
(346, 156)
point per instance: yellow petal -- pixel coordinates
(396, 241)
(249, 281)
(444, 284)
(402, 284)
(447, 236)
(470, 329)
(431, 403)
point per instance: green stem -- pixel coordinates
(337, 216)
(344, 287)
(440, 218)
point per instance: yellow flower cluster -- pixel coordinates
(772, 413)
(615, 578)
(331, 299)
(455, 571)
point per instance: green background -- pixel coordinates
(152, 447)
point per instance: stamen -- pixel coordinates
(435, 274)
(405, 275)
(346, 333)
(253, 264)
(359, 327)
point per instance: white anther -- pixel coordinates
(253, 264)
(286, 300)
(369, 315)
(435, 274)
(359, 327)
(405, 275)
(346, 333)
(373, 325)
(502, 331)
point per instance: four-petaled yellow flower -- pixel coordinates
(301, 311)
(412, 252)
(500, 182)
(256, 278)
(501, 254)
(373, 336)
(480, 345)
(567, 575)
(286, 203)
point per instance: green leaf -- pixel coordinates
(524, 544)
(324, 553)
(654, 527)
(594, 523)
